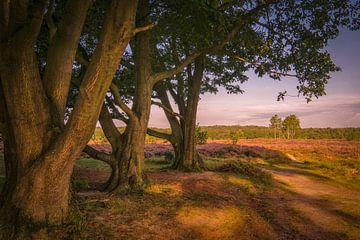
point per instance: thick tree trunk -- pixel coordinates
(183, 131)
(190, 157)
(131, 159)
(39, 156)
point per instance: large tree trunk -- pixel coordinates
(182, 135)
(131, 153)
(39, 153)
(190, 158)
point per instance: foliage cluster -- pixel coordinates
(200, 135)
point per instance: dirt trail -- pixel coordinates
(335, 208)
(209, 205)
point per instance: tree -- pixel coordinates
(276, 125)
(39, 147)
(280, 39)
(290, 126)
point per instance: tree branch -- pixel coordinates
(116, 114)
(269, 72)
(49, 19)
(36, 14)
(61, 54)
(82, 56)
(110, 130)
(166, 109)
(157, 134)
(241, 23)
(177, 69)
(272, 30)
(115, 91)
(145, 28)
(99, 155)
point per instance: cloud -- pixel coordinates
(327, 111)
(337, 111)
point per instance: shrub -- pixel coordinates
(236, 135)
(200, 136)
(169, 156)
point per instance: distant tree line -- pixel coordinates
(250, 132)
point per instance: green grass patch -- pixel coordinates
(91, 163)
(157, 163)
(345, 172)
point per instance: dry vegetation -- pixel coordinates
(258, 189)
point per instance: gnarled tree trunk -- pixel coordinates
(182, 135)
(40, 151)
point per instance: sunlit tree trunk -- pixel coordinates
(39, 150)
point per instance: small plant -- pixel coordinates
(236, 135)
(169, 156)
(200, 136)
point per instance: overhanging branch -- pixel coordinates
(166, 109)
(99, 155)
(241, 23)
(158, 134)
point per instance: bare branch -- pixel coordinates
(177, 69)
(115, 91)
(99, 155)
(166, 109)
(158, 134)
(145, 28)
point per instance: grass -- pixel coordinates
(341, 166)
(156, 163)
(91, 163)
(236, 200)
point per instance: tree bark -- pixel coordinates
(183, 130)
(39, 156)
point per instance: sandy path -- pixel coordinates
(334, 208)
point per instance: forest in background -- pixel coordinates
(223, 132)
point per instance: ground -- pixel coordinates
(254, 192)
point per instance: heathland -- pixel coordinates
(255, 189)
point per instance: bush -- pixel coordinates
(236, 135)
(200, 136)
(169, 156)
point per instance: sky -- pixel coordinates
(339, 108)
